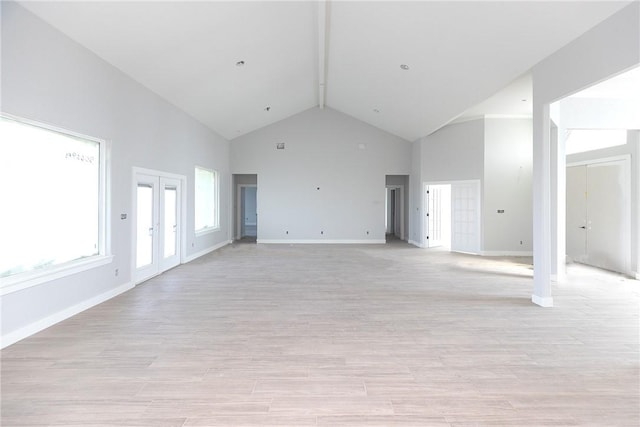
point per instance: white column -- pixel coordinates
(541, 206)
(560, 261)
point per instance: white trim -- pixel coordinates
(207, 230)
(600, 160)
(39, 325)
(320, 242)
(542, 301)
(37, 277)
(506, 253)
(206, 251)
(418, 244)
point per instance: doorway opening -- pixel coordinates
(246, 207)
(158, 222)
(596, 185)
(452, 216)
(395, 207)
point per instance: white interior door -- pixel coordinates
(158, 225)
(465, 217)
(607, 224)
(598, 222)
(434, 216)
(576, 228)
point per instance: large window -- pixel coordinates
(206, 200)
(52, 192)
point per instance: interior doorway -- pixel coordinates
(245, 208)
(158, 223)
(248, 211)
(396, 207)
(452, 216)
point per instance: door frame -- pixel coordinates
(239, 209)
(182, 206)
(402, 225)
(425, 209)
(626, 208)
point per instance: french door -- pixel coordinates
(598, 226)
(158, 225)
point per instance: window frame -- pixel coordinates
(216, 202)
(36, 277)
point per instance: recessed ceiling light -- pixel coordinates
(267, 108)
(404, 66)
(240, 64)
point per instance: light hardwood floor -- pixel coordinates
(380, 335)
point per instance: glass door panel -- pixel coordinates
(145, 225)
(170, 221)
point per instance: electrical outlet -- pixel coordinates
(117, 272)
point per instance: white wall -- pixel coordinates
(48, 78)
(455, 152)
(322, 151)
(416, 223)
(507, 186)
(610, 48)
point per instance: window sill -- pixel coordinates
(206, 231)
(33, 278)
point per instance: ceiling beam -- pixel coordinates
(323, 34)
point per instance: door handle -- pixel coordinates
(583, 227)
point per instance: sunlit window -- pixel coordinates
(50, 187)
(581, 140)
(206, 200)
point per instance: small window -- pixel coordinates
(581, 140)
(53, 199)
(206, 200)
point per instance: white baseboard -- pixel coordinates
(542, 301)
(205, 251)
(418, 244)
(322, 241)
(506, 253)
(39, 325)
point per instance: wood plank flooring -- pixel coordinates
(380, 335)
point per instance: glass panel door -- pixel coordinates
(144, 253)
(170, 221)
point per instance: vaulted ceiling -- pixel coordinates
(224, 63)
